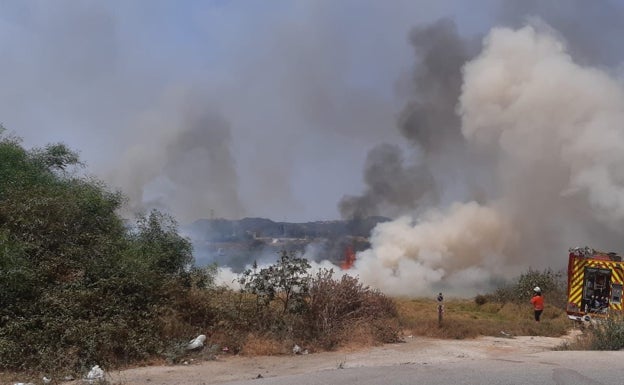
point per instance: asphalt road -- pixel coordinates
(553, 367)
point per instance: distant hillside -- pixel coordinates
(224, 230)
(236, 243)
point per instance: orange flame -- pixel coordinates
(349, 258)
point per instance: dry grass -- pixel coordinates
(583, 341)
(256, 345)
(358, 336)
(466, 319)
(463, 318)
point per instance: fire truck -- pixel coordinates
(595, 282)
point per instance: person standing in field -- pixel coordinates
(440, 300)
(538, 303)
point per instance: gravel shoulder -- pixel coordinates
(415, 350)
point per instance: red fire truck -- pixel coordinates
(595, 282)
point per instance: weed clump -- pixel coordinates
(284, 303)
(608, 334)
(481, 299)
(338, 307)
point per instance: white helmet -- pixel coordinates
(537, 289)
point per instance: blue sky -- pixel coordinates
(241, 108)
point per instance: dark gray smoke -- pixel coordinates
(392, 182)
(429, 120)
(429, 123)
(450, 168)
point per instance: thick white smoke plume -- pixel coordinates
(465, 244)
(554, 129)
(525, 98)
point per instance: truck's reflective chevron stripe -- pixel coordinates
(576, 283)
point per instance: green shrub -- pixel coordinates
(481, 300)
(608, 334)
(337, 304)
(326, 313)
(78, 285)
(553, 285)
(286, 281)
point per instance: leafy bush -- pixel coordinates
(336, 305)
(481, 299)
(78, 285)
(319, 311)
(608, 334)
(287, 281)
(553, 285)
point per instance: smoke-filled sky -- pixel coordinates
(491, 130)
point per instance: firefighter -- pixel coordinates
(538, 303)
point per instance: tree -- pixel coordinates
(77, 284)
(157, 240)
(55, 156)
(287, 280)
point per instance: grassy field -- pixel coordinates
(463, 318)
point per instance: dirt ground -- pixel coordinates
(415, 350)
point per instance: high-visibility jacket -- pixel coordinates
(538, 302)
